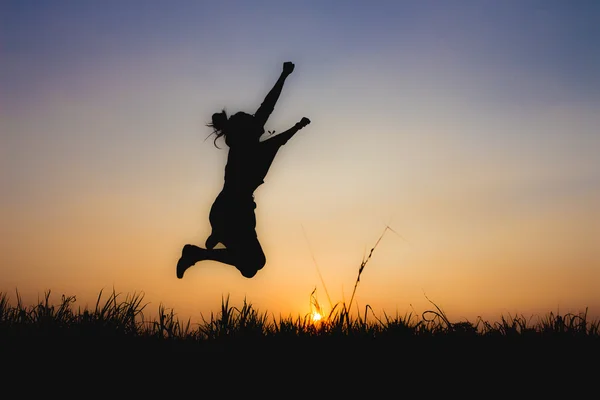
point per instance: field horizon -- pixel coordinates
(132, 308)
(115, 339)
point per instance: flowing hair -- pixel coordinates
(219, 120)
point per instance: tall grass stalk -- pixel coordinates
(363, 264)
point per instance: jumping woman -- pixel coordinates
(232, 215)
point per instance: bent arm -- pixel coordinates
(282, 138)
(268, 104)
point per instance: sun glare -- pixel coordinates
(316, 316)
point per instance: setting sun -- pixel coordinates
(316, 316)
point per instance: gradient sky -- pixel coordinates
(468, 127)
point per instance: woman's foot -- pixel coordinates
(190, 255)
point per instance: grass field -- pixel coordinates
(240, 345)
(121, 317)
(116, 341)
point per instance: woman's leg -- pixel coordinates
(250, 257)
(191, 254)
(246, 255)
(233, 224)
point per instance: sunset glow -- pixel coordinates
(469, 128)
(316, 317)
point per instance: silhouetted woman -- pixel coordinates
(232, 214)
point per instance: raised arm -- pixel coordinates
(268, 104)
(283, 137)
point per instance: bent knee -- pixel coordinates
(248, 273)
(248, 270)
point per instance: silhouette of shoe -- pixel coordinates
(186, 260)
(211, 242)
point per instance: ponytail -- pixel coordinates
(219, 120)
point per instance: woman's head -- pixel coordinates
(238, 128)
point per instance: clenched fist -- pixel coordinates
(303, 122)
(288, 67)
